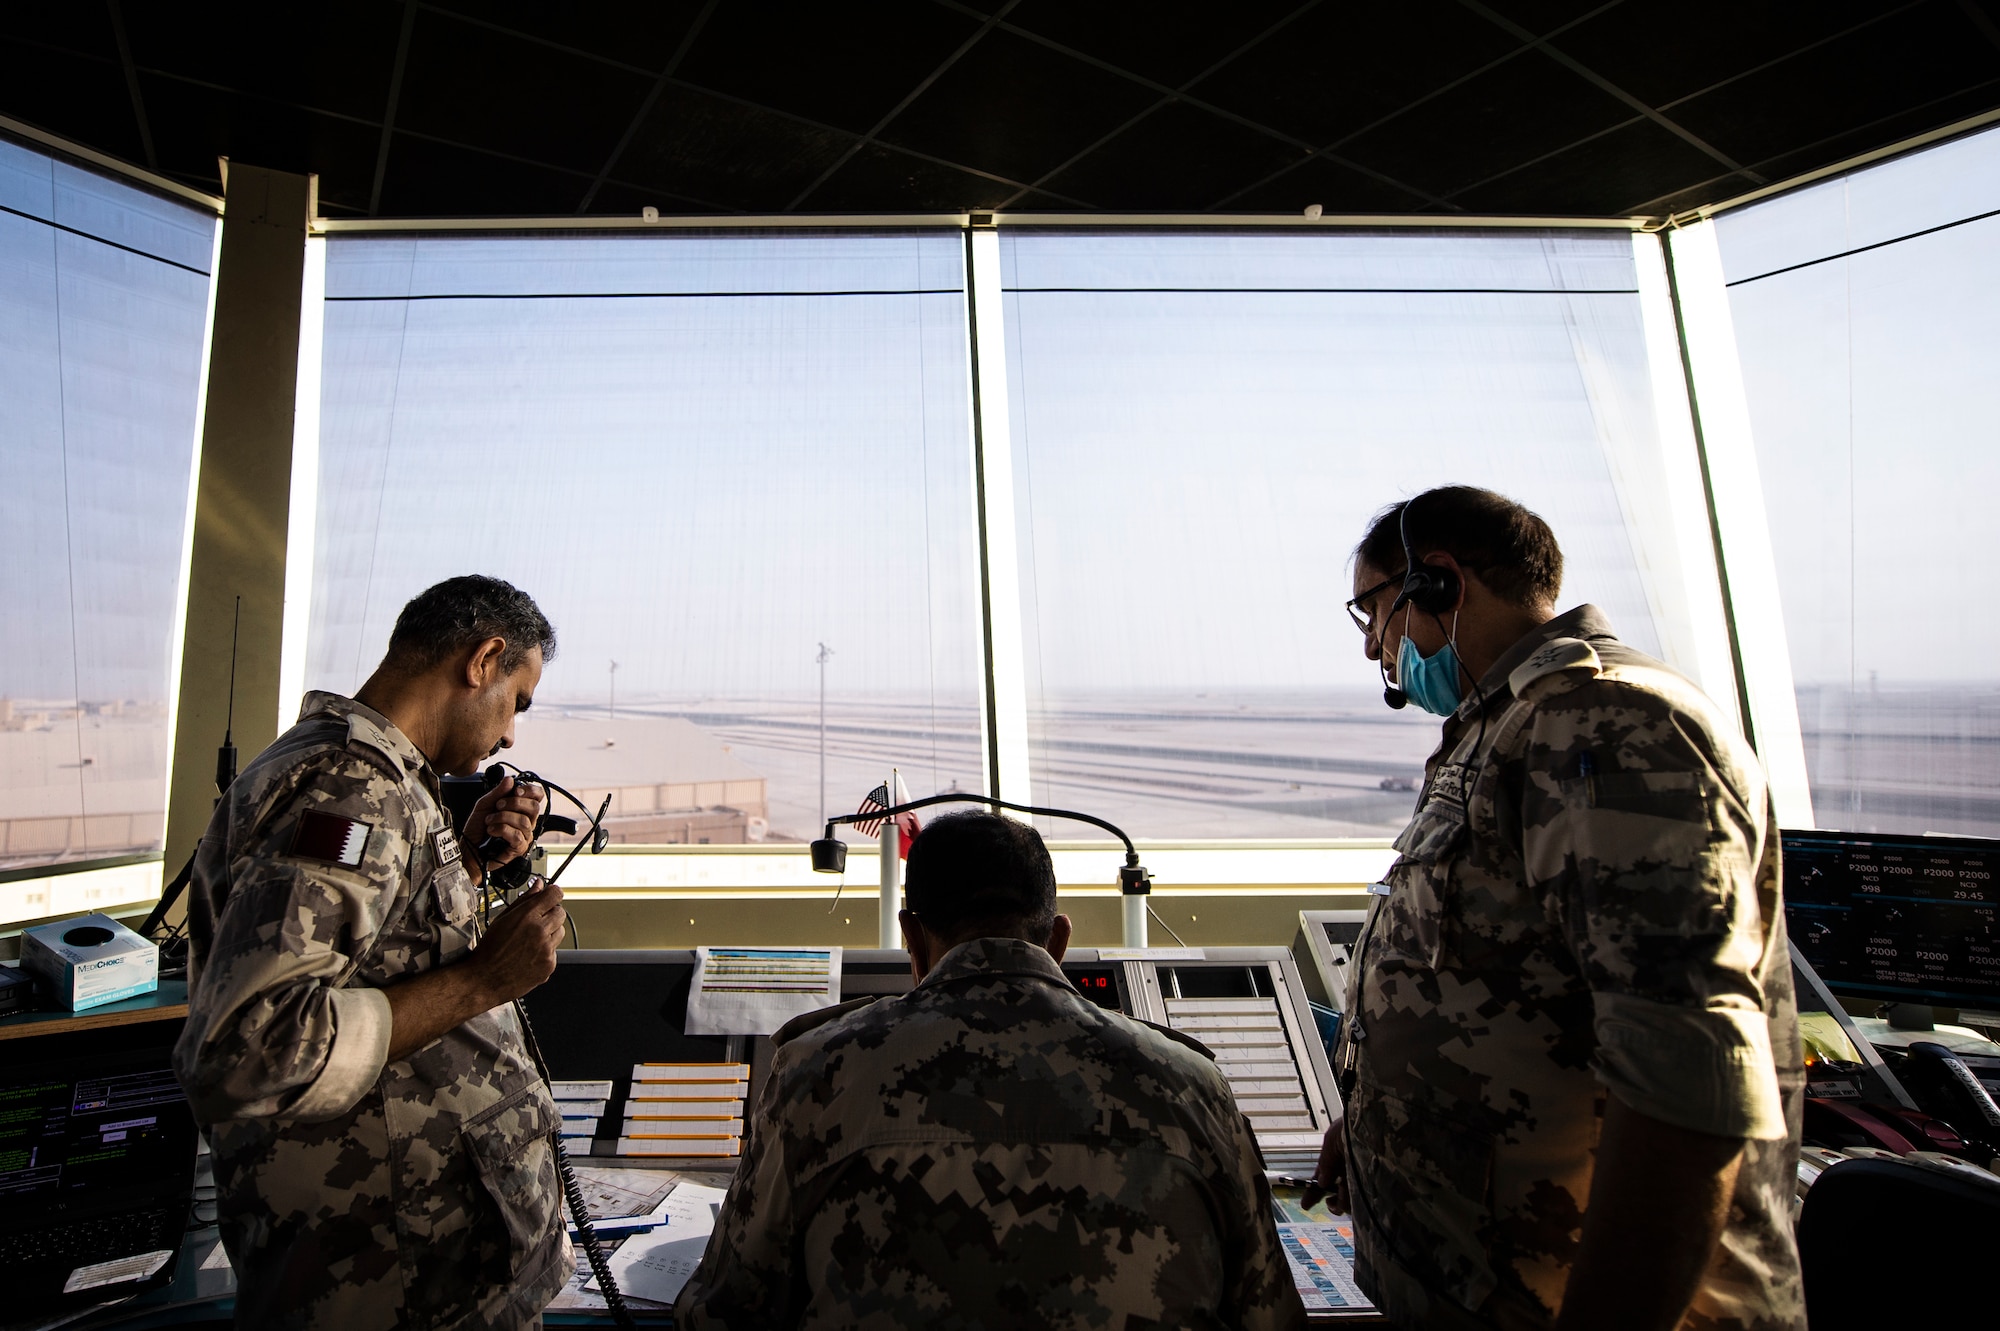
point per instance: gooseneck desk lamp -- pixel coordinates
(829, 855)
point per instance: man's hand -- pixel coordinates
(515, 955)
(1330, 1178)
(518, 951)
(507, 811)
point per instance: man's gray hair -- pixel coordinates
(462, 612)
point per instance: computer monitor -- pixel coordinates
(97, 1165)
(1911, 919)
(1324, 949)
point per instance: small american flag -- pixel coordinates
(875, 802)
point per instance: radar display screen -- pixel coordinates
(1902, 918)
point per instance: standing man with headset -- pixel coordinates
(382, 1142)
(1571, 1064)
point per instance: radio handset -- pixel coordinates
(515, 874)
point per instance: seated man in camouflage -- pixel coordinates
(992, 1149)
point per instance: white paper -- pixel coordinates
(687, 1194)
(683, 1110)
(611, 1193)
(755, 990)
(138, 1267)
(689, 1078)
(1322, 1260)
(579, 1293)
(654, 1092)
(671, 1147)
(655, 1266)
(624, 1225)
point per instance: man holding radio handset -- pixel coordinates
(381, 1136)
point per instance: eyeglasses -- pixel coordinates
(1358, 609)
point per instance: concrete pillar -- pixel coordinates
(243, 493)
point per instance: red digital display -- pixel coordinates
(1097, 983)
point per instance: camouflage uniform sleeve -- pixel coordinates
(1645, 828)
(1259, 1293)
(747, 1276)
(312, 882)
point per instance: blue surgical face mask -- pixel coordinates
(1431, 682)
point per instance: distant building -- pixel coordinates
(671, 783)
(79, 788)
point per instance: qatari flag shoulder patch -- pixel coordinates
(330, 838)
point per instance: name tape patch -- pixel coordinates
(1450, 783)
(331, 839)
(445, 842)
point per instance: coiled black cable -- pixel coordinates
(593, 1252)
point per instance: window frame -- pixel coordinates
(1702, 419)
(1256, 866)
(114, 883)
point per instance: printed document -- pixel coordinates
(755, 990)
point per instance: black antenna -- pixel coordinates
(225, 755)
(225, 773)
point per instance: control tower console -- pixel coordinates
(635, 1086)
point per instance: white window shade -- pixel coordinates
(1204, 424)
(103, 308)
(1863, 311)
(704, 455)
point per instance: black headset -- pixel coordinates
(1427, 587)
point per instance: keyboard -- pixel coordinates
(76, 1243)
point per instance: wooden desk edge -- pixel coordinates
(25, 1024)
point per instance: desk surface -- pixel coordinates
(203, 1295)
(168, 1002)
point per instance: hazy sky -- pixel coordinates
(1876, 408)
(702, 488)
(705, 487)
(100, 361)
(1195, 467)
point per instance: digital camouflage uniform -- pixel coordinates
(1606, 920)
(993, 1150)
(354, 1192)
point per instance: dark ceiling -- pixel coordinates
(533, 107)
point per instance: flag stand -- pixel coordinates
(890, 931)
(1135, 918)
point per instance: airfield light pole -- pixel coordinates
(614, 690)
(825, 655)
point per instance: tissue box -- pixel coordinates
(90, 961)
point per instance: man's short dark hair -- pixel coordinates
(1510, 548)
(460, 613)
(977, 873)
